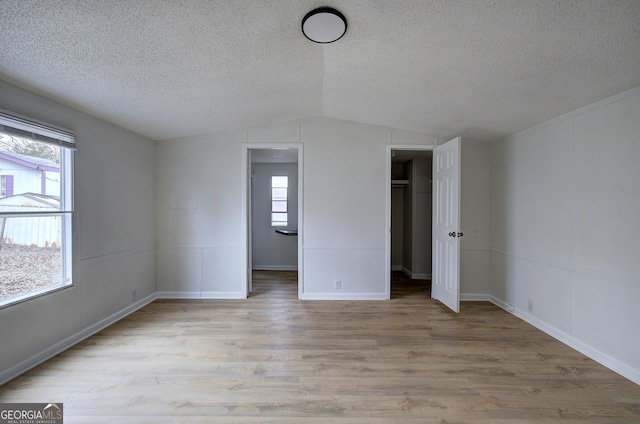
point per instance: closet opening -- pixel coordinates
(410, 213)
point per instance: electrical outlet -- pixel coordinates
(338, 284)
(134, 295)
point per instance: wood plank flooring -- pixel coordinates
(275, 359)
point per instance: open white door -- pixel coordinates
(445, 284)
(249, 225)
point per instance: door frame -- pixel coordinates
(246, 245)
(390, 148)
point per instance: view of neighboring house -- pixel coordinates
(28, 174)
(29, 184)
(39, 231)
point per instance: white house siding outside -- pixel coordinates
(29, 180)
(35, 188)
(37, 231)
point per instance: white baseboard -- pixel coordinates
(474, 297)
(221, 295)
(415, 276)
(593, 353)
(62, 345)
(198, 295)
(179, 295)
(502, 304)
(275, 267)
(396, 267)
(343, 296)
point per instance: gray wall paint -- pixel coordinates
(271, 250)
(561, 247)
(407, 220)
(344, 209)
(475, 219)
(397, 227)
(416, 217)
(565, 229)
(421, 218)
(115, 236)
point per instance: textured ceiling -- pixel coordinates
(166, 69)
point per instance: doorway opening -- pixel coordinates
(410, 221)
(273, 220)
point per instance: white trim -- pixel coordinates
(112, 256)
(245, 244)
(194, 295)
(179, 295)
(620, 279)
(343, 296)
(574, 113)
(415, 276)
(418, 147)
(593, 353)
(396, 267)
(387, 223)
(221, 295)
(300, 214)
(474, 297)
(501, 304)
(53, 350)
(275, 267)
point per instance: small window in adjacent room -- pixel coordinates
(279, 187)
(36, 208)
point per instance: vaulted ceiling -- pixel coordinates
(481, 69)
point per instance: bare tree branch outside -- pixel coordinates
(23, 146)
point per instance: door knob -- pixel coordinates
(452, 234)
(460, 234)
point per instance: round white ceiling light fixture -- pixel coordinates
(324, 25)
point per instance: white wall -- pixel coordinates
(185, 197)
(344, 209)
(115, 237)
(273, 251)
(199, 216)
(475, 219)
(565, 229)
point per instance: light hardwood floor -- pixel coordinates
(273, 358)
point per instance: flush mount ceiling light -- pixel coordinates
(324, 25)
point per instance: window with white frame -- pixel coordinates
(36, 209)
(6, 185)
(279, 191)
